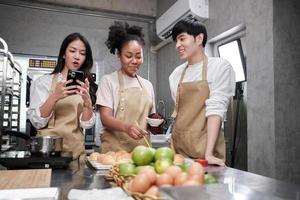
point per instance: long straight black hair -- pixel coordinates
(85, 67)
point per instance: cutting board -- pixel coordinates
(31, 178)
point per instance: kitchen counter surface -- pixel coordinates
(238, 184)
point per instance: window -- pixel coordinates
(232, 51)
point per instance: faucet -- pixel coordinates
(163, 107)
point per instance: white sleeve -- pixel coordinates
(38, 95)
(89, 123)
(105, 93)
(223, 87)
(153, 110)
(173, 88)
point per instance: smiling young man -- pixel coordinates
(201, 89)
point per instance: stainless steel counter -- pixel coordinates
(237, 185)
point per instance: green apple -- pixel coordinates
(152, 150)
(164, 152)
(185, 166)
(126, 169)
(209, 179)
(162, 165)
(142, 155)
(139, 168)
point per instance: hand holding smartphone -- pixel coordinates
(75, 75)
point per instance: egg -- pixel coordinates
(191, 183)
(164, 179)
(197, 177)
(181, 178)
(129, 186)
(195, 168)
(108, 160)
(140, 183)
(152, 191)
(173, 171)
(178, 159)
(100, 157)
(150, 173)
(111, 153)
(94, 156)
(120, 153)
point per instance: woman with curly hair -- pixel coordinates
(125, 99)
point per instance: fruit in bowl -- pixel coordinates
(154, 122)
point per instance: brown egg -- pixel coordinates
(100, 157)
(191, 183)
(129, 186)
(150, 173)
(111, 153)
(140, 183)
(164, 179)
(166, 185)
(108, 160)
(195, 168)
(197, 177)
(173, 171)
(181, 178)
(120, 153)
(178, 159)
(94, 156)
(152, 191)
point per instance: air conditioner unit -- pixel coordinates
(179, 10)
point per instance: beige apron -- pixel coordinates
(134, 105)
(64, 122)
(189, 133)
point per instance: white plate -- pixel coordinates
(30, 193)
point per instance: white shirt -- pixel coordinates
(108, 90)
(221, 82)
(39, 93)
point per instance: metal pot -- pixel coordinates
(42, 145)
(46, 145)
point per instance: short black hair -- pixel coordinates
(191, 26)
(121, 33)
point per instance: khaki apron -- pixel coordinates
(134, 105)
(189, 133)
(64, 122)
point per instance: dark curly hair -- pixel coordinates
(121, 33)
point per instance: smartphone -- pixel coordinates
(75, 75)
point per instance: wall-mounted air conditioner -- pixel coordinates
(179, 10)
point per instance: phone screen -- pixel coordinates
(75, 75)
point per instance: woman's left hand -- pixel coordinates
(84, 92)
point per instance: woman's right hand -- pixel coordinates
(62, 91)
(135, 132)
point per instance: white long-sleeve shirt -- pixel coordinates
(221, 82)
(39, 92)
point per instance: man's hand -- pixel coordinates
(212, 160)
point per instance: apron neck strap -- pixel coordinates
(53, 83)
(51, 122)
(121, 80)
(204, 68)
